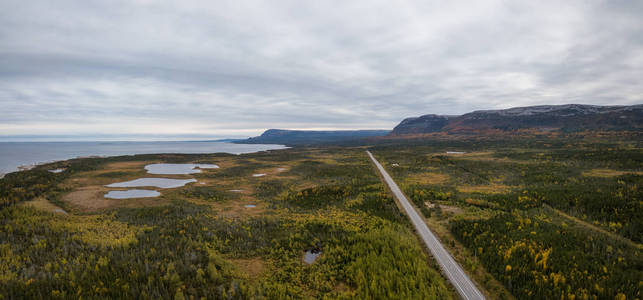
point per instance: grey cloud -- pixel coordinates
(202, 67)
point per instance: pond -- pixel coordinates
(311, 255)
(57, 170)
(164, 183)
(176, 169)
(249, 206)
(132, 194)
(60, 211)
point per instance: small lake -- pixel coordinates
(249, 206)
(132, 194)
(311, 255)
(177, 169)
(164, 183)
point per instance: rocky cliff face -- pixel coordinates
(423, 124)
(570, 117)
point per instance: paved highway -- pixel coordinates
(463, 284)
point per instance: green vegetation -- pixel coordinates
(198, 241)
(540, 217)
(559, 218)
(206, 193)
(26, 185)
(539, 256)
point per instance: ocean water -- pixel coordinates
(16, 154)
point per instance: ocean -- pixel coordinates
(16, 154)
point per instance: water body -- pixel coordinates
(311, 255)
(60, 211)
(132, 194)
(249, 206)
(16, 154)
(174, 169)
(258, 175)
(163, 183)
(57, 170)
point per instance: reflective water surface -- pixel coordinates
(311, 255)
(132, 194)
(164, 183)
(175, 169)
(16, 154)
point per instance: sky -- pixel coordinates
(193, 69)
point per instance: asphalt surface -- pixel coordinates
(462, 283)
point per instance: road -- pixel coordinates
(463, 284)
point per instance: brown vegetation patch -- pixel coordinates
(451, 209)
(608, 173)
(90, 198)
(45, 205)
(128, 165)
(223, 164)
(445, 208)
(488, 156)
(234, 208)
(341, 288)
(481, 203)
(428, 178)
(484, 189)
(282, 169)
(253, 267)
(238, 209)
(477, 154)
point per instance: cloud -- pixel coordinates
(229, 68)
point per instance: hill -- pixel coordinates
(306, 137)
(569, 117)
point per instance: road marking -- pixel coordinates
(463, 284)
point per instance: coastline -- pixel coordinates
(22, 156)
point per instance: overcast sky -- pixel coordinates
(223, 69)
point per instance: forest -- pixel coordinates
(527, 217)
(554, 219)
(195, 241)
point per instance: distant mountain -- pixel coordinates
(422, 124)
(307, 137)
(569, 117)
